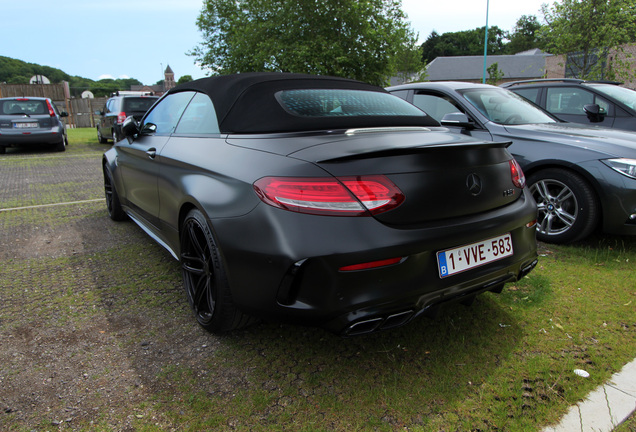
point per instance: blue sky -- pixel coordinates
(139, 38)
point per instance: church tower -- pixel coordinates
(168, 82)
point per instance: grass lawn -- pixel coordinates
(96, 334)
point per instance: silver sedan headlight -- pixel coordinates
(624, 166)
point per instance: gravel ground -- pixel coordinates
(72, 351)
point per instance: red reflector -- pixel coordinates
(531, 224)
(345, 196)
(371, 265)
(518, 178)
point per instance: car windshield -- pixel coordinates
(344, 102)
(505, 107)
(622, 94)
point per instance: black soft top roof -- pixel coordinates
(246, 103)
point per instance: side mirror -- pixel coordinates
(130, 127)
(457, 120)
(594, 112)
(99, 113)
(63, 114)
(148, 129)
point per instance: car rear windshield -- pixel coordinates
(344, 102)
(138, 104)
(23, 106)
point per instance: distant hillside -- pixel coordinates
(13, 71)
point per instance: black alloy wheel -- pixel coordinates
(204, 277)
(567, 206)
(115, 212)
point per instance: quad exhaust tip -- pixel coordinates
(379, 323)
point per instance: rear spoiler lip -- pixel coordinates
(414, 149)
(409, 139)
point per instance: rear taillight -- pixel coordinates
(50, 107)
(343, 196)
(121, 117)
(518, 178)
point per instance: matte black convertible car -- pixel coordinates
(306, 199)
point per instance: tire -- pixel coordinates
(115, 212)
(61, 146)
(568, 208)
(100, 138)
(204, 277)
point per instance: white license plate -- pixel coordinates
(464, 258)
(25, 125)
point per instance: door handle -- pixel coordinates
(151, 153)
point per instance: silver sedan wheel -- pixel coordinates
(568, 207)
(557, 205)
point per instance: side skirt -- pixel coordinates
(138, 220)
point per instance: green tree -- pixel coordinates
(13, 71)
(18, 72)
(127, 83)
(431, 48)
(494, 74)
(358, 39)
(587, 30)
(524, 36)
(463, 43)
(104, 87)
(185, 79)
(410, 67)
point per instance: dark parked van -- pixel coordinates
(115, 111)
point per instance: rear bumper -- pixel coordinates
(386, 316)
(288, 268)
(9, 137)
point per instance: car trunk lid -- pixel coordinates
(441, 175)
(443, 178)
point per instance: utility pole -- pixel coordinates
(483, 80)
